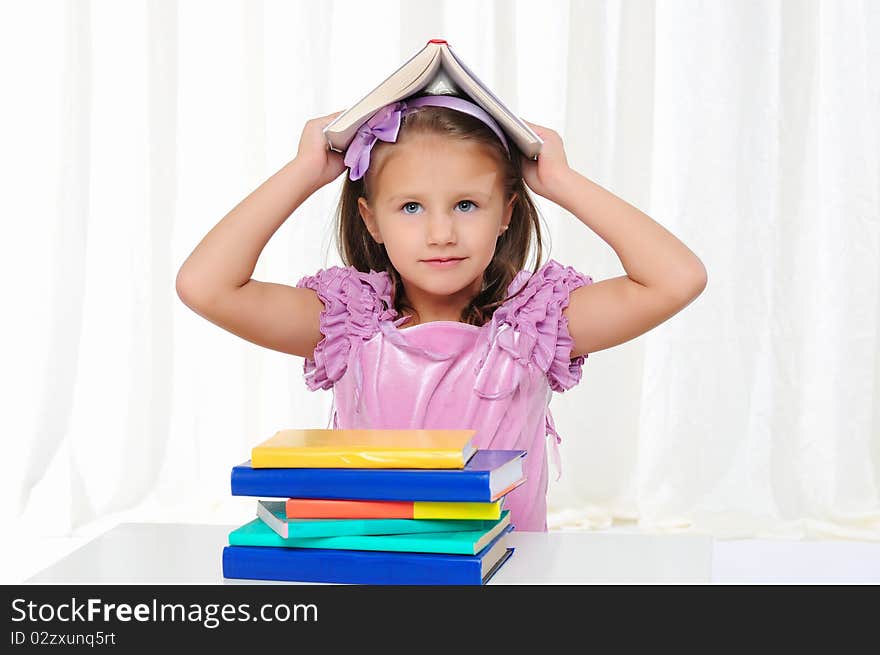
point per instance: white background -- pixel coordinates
(750, 130)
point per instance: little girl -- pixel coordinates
(433, 323)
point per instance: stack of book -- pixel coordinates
(374, 507)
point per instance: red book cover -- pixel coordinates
(310, 508)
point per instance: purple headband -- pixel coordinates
(385, 124)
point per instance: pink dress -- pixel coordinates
(496, 379)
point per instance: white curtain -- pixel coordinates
(750, 130)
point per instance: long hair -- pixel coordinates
(358, 248)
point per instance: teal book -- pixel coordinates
(470, 542)
(274, 514)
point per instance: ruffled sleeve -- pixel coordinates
(354, 303)
(536, 314)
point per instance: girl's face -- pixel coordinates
(436, 197)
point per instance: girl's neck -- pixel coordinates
(431, 309)
(412, 322)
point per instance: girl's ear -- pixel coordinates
(508, 212)
(369, 219)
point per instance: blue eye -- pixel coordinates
(470, 202)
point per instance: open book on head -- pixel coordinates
(434, 70)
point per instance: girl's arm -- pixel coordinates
(226, 257)
(663, 275)
(215, 280)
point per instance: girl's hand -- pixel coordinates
(545, 175)
(324, 164)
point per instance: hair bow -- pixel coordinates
(384, 124)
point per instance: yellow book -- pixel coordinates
(435, 510)
(379, 449)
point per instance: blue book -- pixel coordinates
(488, 475)
(365, 567)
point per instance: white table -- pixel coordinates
(166, 553)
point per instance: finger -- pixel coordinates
(537, 129)
(329, 118)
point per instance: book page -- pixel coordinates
(524, 137)
(415, 74)
(435, 70)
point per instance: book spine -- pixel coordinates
(349, 567)
(362, 484)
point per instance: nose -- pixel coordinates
(441, 228)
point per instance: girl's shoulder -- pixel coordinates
(551, 278)
(534, 309)
(368, 292)
(354, 304)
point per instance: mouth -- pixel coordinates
(443, 262)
